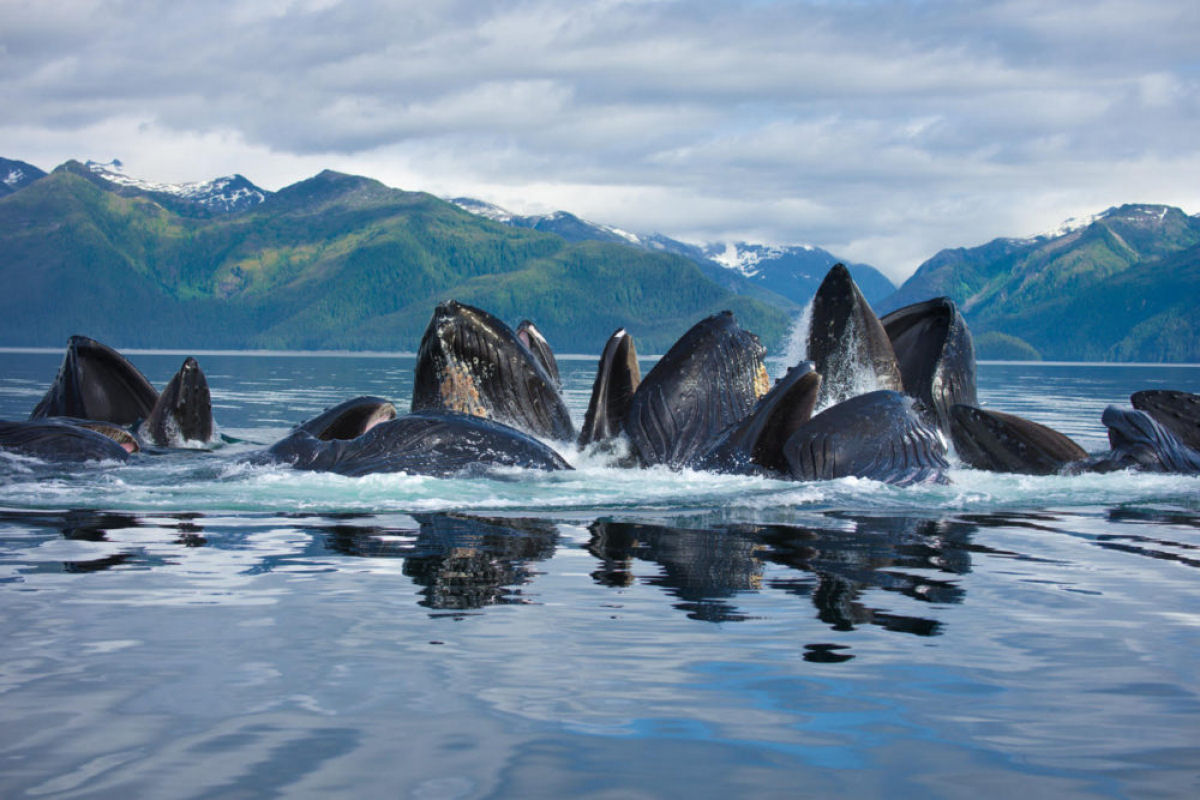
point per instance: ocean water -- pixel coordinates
(189, 626)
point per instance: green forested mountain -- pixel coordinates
(335, 261)
(784, 276)
(339, 261)
(1122, 287)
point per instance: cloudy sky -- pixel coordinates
(882, 130)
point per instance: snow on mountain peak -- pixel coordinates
(228, 193)
(745, 258)
(1067, 226)
(551, 221)
(483, 209)
(632, 238)
(1138, 213)
(1141, 214)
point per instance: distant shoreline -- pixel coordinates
(560, 356)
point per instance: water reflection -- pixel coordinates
(86, 526)
(831, 566)
(703, 568)
(1154, 516)
(462, 562)
(845, 564)
(91, 526)
(1160, 521)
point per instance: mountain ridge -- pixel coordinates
(344, 261)
(332, 262)
(226, 194)
(1090, 291)
(790, 273)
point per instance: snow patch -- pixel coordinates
(1133, 213)
(226, 193)
(497, 214)
(482, 209)
(1067, 226)
(632, 238)
(745, 258)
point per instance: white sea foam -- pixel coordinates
(263, 407)
(211, 484)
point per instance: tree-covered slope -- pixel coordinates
(333, 261)
(784, 276)
(1121, 287)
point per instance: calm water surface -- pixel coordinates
(188, 626)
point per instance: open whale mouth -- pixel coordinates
(96, 382)
(193, 404)
(118, 434)
(1138, 440)
(471, 362)
(183, 412)
(378, 417)
(1130, 429)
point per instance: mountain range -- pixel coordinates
(784, 275)
(204, 198)
(344, 262)
(332, 262)
(1119, 286)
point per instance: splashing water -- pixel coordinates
(796, 349)
(848, 376)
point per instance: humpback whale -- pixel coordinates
(469, 361)
(532, 338)
(878, 435)
(96, 382)
(1139, 442)
(183, 412)
(439, 443)
(709, 379)
(617, 378)
(56, 439)
(1000, 442)
(350, 419)
(847, 343)
(935, 354)
(755, 444)
(1178, 412)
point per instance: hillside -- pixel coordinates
(784, 276)
(1121, 286)
(336, 261)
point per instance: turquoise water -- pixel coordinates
(189, 626)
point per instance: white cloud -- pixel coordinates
(881, 130)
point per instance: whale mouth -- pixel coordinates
(1128, 428)
(380, 416)
(192, 409)
(471, 362)
(118, 434)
